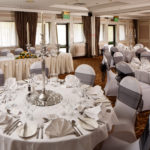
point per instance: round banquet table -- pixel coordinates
(66, 109)
(19, 68)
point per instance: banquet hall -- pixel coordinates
(74, 75)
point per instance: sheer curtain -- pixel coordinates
(39, 31)
(121, 32)
(78, 33)
(8, 36)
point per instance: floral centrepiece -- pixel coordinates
(26, 54)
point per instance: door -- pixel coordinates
(62, 37)
(112, 35)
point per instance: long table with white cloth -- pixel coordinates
(19, 68)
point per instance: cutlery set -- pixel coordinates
(40, 129)
(76, 129)
(12, 127)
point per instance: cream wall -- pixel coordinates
(129, 34)
(144, 32)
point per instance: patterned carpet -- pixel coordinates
(95, 63)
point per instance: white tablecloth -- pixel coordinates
(71, 99)
(19, 68)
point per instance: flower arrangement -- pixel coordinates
(26, 54)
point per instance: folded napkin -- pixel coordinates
(4, 118)
(72, 81)
(93, 112)
(59, 127)
(87, 123)
(95, 92)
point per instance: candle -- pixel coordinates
(28, 38)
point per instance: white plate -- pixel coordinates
(31, 130)
(88, 123)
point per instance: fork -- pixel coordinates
(38, 130)
(42, 127)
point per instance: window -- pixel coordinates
(101, 36)
(62, 37)
(78, 33)
(8, 36)
(39, 31)
(121, 32)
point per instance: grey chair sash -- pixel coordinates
(17, 52)
(145, 138)
(129, 97)
(147, 57)
(1, 79)
(3, 53)
(86, 78)
(38, 71)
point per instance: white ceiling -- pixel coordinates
(123, 8)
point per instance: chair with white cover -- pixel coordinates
(4, 52)
(2, 78)
(111, 87)
(139, 51)
(86, 74)
(105, 49)
(143, 143)
(113, 50)
(123, 69)
(140, 45)
(11, 55)
(118, 56)
(32, 50)
(109, 58)
(104, 67)
(129, 101)
(18, 51)
(145, 55)
(36, 68)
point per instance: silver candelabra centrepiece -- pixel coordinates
(44, 97)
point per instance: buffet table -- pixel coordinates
(69, 109)
(19, 68)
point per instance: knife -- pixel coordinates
(76, 128)
(10, 127)
(17, 125)
(24, 129)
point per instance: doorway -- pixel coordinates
(63, 37)
(112, 35)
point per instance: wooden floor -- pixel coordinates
(95, 63)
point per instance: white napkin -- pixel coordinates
(71, 81)
(93, 112)
(59, 127)
(4, 118)
(95, 92)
